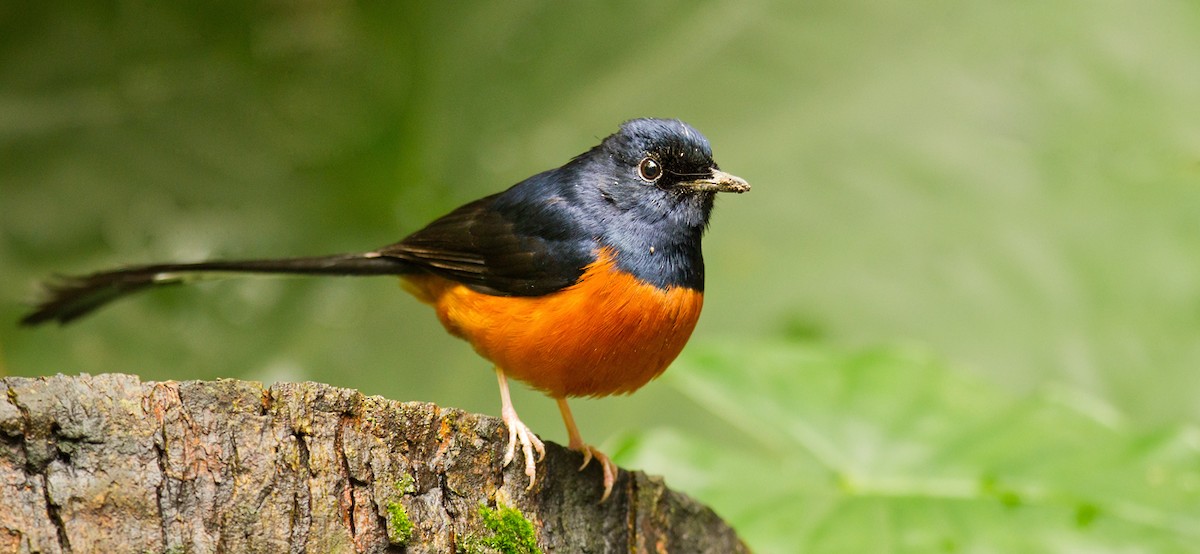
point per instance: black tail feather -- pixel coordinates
(70, 298)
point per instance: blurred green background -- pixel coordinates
(958, 312)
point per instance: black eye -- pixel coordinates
(649, 169)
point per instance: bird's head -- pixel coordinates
(653, 170)
(648, 189)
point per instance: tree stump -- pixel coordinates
(112, 464)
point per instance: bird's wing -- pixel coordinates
(499, 247)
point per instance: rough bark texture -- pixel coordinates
(111, 464)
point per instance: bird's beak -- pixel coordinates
(719, 182)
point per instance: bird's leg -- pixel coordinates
(588, 451)
(518, 432)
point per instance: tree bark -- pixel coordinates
(111, 464)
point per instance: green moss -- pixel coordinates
(406, 485)
(400, 528)
(511, 532)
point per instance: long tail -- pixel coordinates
(70, 298)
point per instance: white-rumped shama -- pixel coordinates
(584, 280)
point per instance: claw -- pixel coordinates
(607, 468)
(587, 456)
(518, 432)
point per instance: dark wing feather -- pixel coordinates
(502, 246)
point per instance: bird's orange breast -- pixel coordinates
(609, 333)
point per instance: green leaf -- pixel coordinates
(892, 450)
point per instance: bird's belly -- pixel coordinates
(607, 334)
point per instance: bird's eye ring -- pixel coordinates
(649, 170)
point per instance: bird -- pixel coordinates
(585, 280)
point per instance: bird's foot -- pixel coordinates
(576, 443)
(606, 466)
(518, 432)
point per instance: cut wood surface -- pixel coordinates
(112, 464)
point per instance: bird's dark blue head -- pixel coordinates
(648, 189)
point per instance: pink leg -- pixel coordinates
(518, 432)
(576, 443)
